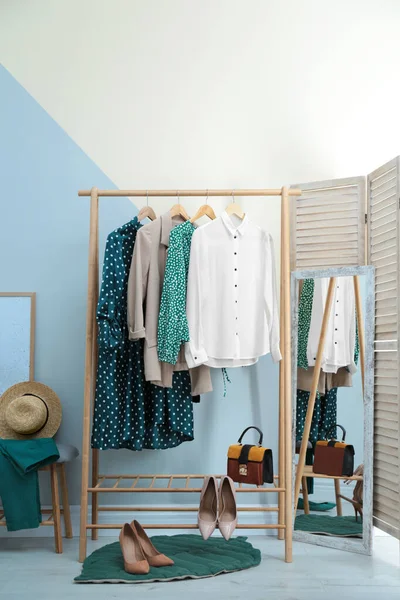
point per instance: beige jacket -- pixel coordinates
(145, 284)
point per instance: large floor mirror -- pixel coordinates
(333, 360)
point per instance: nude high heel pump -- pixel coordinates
(207, 515)
(227, 519)
(134, 559)
(152, 555)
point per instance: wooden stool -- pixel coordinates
(57, 476)
(57, 480)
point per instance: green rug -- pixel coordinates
(316, 506)
(194, 558)
(325, 525)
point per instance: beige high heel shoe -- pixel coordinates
(207, 515)
(152, 555)
(134, 559)
(227, 518)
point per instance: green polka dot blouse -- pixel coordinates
(130, 412)
(173, 327)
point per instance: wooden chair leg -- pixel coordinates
(305, 495)
(339, 511)
(56, 508)
(65, 501)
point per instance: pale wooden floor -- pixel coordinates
(30, 570)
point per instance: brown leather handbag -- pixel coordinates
(334, 458)
(249, 463)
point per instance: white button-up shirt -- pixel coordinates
(341, 332)
(231, 303)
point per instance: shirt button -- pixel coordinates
(235, 284)
(235, 253)
(335, 342)
(234, 237)
(236, 301)
(235, 269)
(237, 333)
(195, 358)
(335, 328)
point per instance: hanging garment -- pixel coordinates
(341, 331)
(324, 415)
(19, 483)
(173, 327)
(130, 412)
(304, 323)
(327, 381)
(145, 283)
(231, 307)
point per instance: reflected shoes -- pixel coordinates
(138, 551)
(210, 500)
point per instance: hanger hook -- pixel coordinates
(207, 197)
(233, 195)
(179, 196)
(147, 197)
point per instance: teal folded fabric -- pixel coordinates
(19, 484)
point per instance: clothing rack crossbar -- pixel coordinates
(283, 481)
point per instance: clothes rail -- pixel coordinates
(283, 481)
(188, 193)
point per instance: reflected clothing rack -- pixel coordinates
(100, 483)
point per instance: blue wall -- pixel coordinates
(44, 245)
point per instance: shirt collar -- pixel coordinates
(231, 227)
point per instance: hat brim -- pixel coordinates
(46, 394)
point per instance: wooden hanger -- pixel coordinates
(147, 211)
(178, 211)
(205, 209)
(234, 209)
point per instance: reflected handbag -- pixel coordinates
(250, 463)
(334, 458)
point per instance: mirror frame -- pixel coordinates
(364, 545)
(32, 296)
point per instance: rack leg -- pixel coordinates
(94, 214)
(305, 495)
(287, 426)
(95, 497)
(339, 511)
(360, 323)
(313, 393)
(281, 455)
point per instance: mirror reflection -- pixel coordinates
(329, 426)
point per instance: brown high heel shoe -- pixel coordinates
(152, 555)
(134, 559)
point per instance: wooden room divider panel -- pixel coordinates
(328, 224)
(383, 253)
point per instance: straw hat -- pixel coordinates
(29, 410)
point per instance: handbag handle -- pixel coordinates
(247, 429)
(340, 427)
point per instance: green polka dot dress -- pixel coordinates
(173, 327)
(130, 412)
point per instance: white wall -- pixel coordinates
(214, 93)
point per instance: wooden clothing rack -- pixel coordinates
(99, 483)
